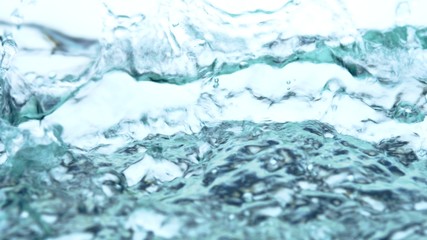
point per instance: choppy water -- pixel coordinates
(210, 120)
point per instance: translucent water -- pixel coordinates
(213, 120)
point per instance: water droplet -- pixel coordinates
(216, 83)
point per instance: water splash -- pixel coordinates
(203, 120)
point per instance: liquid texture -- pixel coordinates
(215, 120)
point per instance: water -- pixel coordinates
(211, 120)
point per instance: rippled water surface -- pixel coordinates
(208, 119)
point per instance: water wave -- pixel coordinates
(216, 120)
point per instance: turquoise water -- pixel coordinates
(216, 126)
(240, 180)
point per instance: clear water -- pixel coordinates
(211, 120)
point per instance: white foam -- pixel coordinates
(151, 169)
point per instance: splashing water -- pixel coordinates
(207, 119)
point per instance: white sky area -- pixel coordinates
(81, 18)
(85, 17)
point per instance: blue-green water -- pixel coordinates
(219, 126)
(237, 180)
